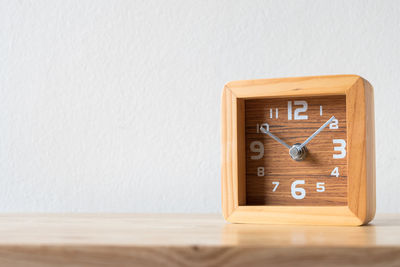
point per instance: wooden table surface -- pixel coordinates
(190, 240)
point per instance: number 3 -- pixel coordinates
(341, 148)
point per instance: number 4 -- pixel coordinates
(335, 172)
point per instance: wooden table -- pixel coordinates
(190, 240)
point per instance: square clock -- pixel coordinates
(299, 151)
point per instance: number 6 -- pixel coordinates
(298, 193)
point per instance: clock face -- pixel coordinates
(317, 176)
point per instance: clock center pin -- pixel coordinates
(297, 152)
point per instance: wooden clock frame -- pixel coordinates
(360, 207)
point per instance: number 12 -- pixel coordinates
(298, 110)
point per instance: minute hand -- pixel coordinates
(316, 132)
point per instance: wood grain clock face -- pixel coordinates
(285, 163)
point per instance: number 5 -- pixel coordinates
(320, 187)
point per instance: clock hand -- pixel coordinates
(264, 128)
(316, 132)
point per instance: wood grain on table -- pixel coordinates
(190, 240)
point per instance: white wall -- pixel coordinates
(115, 105)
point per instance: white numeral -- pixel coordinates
(298, 110)
(335, 172)
(320, 187)
(276, 186)
(341, 148)
(297, 116)
(334, 124)
(298, 192)
(271, 113)
(260, 171)
(258, 147)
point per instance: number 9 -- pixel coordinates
(258, 147)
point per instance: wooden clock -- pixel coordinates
(298, 151)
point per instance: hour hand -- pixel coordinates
(264, 128)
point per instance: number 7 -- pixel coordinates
(276, 186)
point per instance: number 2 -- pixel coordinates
(334, 124)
